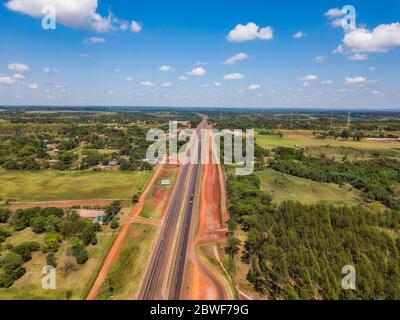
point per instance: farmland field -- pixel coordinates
(286, 187)
(73, 185)
(306, 139)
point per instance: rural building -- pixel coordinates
(95, 215)
(165, 182)
(113, 163)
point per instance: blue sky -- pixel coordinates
(110, 53)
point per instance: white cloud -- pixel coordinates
(326, 82)
(18, 67)
(136, 27)
(166, 68)
(33, 86)
(79, 14)
(381, 39)
(254, 87)
(183, 78)
(147, 84)
(236, 58)
(376, 92)
(306, 84)
(358, 57)
(19, 76)
(334, 13)
(84, 55)
(201, 63)
(197, 72)
(250, 31)
(217, 84)
(124, 26)
(50, 69)
(233, 76)
(309, 77)
(320, 59)
(117, 70)
(299, 35)
(94, 40)
(6, 80)
(336, 23)
(166, 85)
(372, 69)
(354, 80)
(130, 79)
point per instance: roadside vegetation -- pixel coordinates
(297, 251)
(131, 264)
(324, 194)
(33, 238)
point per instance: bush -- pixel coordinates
(5, 214)
(114, 224)
(51, 260)
(25, 249)
(11, 262)
(79, 251)
(88, 235)
(82, 256)
(52, 242)
(18, 273)
(6, 280)
(5, 232)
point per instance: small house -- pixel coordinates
(95, 215)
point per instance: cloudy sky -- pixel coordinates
(200, 53)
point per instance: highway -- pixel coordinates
(164, 275)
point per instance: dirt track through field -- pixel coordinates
(62, 204)
(116, 248)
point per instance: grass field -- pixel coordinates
(70, 185)
(75, 281)
(292, 138)
(286, 187)
(124, 278)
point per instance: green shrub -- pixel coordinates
(5, 214)
(11, 262)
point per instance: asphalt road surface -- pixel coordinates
(164, 275)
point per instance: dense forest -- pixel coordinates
(296, 251)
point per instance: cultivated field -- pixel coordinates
(286, 187)
(301, 138)
(46, 185)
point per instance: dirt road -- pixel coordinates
(62, 204)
